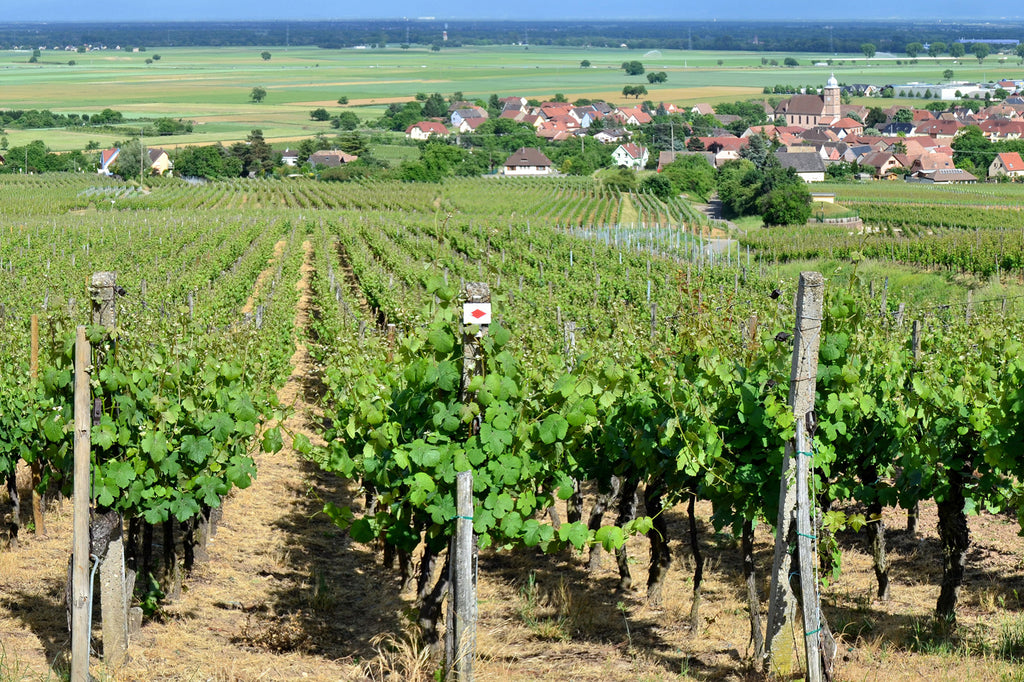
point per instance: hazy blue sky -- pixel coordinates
(198, 10)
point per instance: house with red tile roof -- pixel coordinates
(634, 116)
(425, 129)
(847, 126)
(1008, 163)
(883, 163)
(940, 130)
(630, 155)
(107, 158)
(1002, 129)
(724, 148)
(513, 114)
(468, 125)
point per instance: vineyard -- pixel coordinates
(297, 346)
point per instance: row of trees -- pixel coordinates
(955, 50)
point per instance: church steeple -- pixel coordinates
(832, 100)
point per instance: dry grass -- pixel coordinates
(286, 596)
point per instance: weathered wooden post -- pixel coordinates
(795, 508)
(113, 587)
(80, 634)
(460, 635)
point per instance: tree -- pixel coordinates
(790, 61)
(129, 160)
(258, 94)
(758, 150)
(786, 204)
(658, 185)
(435, 106)
(956, 50)
(265, 55)
(868, 49)
(1019, 51)
(947, 75)
(971, 149)
(738, 187)
(657, 77)
(875, 117)
(343, 100)
(320, 114)
(936, 48)
(585, 64)
(903, 116)
(981, 50)
(633, 68)
(691, 174)
(3, 143)
(914, 49)
(634, 91)
(346, 120)
(695, 144)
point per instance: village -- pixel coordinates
(810, 133)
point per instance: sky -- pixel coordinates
(260, 10)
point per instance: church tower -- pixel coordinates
(831, 109)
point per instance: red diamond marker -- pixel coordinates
(476, 313)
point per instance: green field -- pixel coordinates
(211, 85)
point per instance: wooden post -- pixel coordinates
(970, 300)
(885, 296)
(37, 465)
(101, 290)
(460, 635)
(113, 597)
(794, 506)
(80, 634)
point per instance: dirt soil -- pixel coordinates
(285, 595)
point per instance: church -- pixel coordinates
(809, 111)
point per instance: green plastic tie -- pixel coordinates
(812, 632)
(805, 535)
(468, 518)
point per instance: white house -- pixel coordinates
(630, 155)
(527, 161)
(424, 129)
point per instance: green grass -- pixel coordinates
(395, 154)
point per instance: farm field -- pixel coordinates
(211, 85)
(281, 293)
